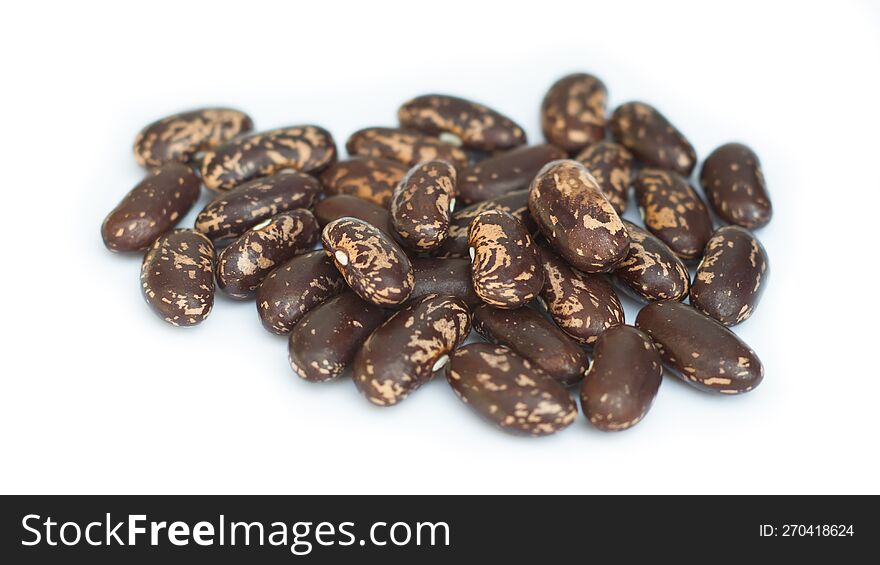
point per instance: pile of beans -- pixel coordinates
(383, 262)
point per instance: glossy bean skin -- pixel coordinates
(344, 205)
(456, 242)
(153, 207)
(477, 126)
(403, 353)
(578, 221)
(294, 288)
(506, 265)
(582, 305)
(674, 212)
(533, 337)
(505, 172)
(244, 264)
(734, 185)
(730, 280)
(177, 277)
(369, 178)
(700, 350)
(651, 271)
(509, 391)
(446, 277)
(307, 149)
(373, 265)
(623, 379)
(179, 137)
(573, 112)
(652, 139)
(421, 206)
(404, 146)
(233, 213)
(326, 340)
(613, 167)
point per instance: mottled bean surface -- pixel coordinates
(369, 178)
(422, 205)
(509, 391)
(613, 167)
(404, 146)
(573, 112)
(505, 172)
(734, 184)
(651, 271)
(456, 242)
(177, 277)
(674, 212)
(343, 205)
(446, 277)
(651, 138)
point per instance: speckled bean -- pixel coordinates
(651, 271)
(404, 146)
(514, 203)
(403, 353)
(373, 265)
(613, 167)
(573, 112)
(369, 178)
(244, 264)
(177, 277)
(446, 277)
(734, 184)
(506, 172)
(509, 391)
(151, 208)
(422, 205)
(344, 205)
(652, 139)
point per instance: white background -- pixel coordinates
(100, 396)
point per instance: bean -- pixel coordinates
(654, 141)
(372, 179)
(613, 167)
(325, 341)
(509, 391)
(404, 146)
(506, 266)
(244, 264)
(573, 112)
(674, 212)
(403, 353)
(456, 242)
(307, 149)
(177, 277)
(294, 288)
(446, 277)
(233, 213)
(535, 338)
(505, 172)
(582, 305)
(343, 205)
(730, 279)
(623, 379)
(422, 205)
(474, 125)
(369, 260)
(181, 136)
(699, 350)
(151, 208)
(651, 271)
(734, 184)
(578, 221)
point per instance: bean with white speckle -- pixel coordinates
(422, 204)
(654, 141)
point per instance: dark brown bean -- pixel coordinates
(578, 221)
(651, 271)
(233, 213)
(446, 277)
(509, 391)
(307, 149)
(613, 167)
(154, 206)
(325, 341)
(404, 352)
(422, 205)
(730, 279)
(623, 379)
(506, 172)
(372, 179)
(343, 205)
(674, 212)
(456, 242)
(403, 146)
(372, 264)
(652, 139)
(294, 288)
(177, 277)
(734, 184)
(243, 265)
(573, 112)
(506, 266)
(179, 137)
(535, 338)
(700, 350)
(477, 126)
(582, 305)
